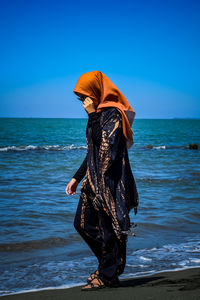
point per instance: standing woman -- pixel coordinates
(108, 192)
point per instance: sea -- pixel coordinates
(39, 246)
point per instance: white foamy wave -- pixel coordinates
(160, 147)
(196, 260)
(145, 258)
(42, 147)
(170, 256)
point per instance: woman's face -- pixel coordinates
(82, 97)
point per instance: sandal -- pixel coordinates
(92, 276)
(94, 284)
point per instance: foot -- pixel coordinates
(94, 284)
(92, 276)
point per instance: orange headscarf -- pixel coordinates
(97, 85)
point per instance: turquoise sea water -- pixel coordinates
(40, 248)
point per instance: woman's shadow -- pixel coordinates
(138, 281)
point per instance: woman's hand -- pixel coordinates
(89, 106)
(71, 187)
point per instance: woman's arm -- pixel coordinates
(80, 173)
(94, 122)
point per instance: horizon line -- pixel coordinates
(87, 118)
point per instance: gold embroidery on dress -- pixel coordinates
(83, 210)
(116, 125)
(104, 158)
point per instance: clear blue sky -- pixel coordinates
(149, 49)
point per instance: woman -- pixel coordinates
(108, 192)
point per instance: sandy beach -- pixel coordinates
(184, 284)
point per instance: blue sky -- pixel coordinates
(149, 49)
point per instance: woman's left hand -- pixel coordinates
(88, 104)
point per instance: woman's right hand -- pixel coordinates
(88, 105)
(71, 187)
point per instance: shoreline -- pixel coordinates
(176, 284)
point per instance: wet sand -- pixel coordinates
(184, 285)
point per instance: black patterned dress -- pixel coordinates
(108, 193)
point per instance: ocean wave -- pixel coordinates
(42, 274)
(42, 147)
(75, 147)
(160, 147)
(171, 147)
(30, 245)
(169, 180)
